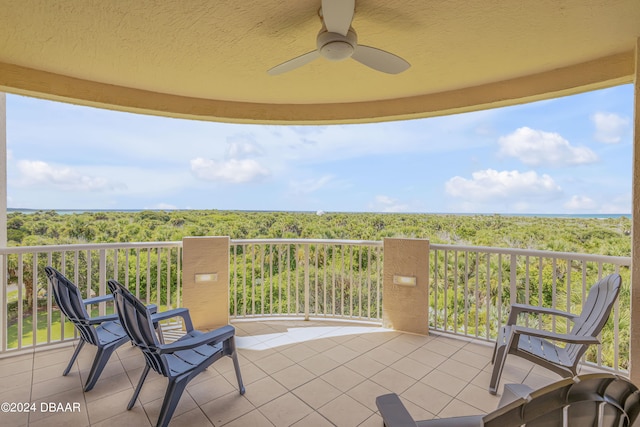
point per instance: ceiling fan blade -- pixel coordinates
(380, 60)
(294, 63)
(337, 15)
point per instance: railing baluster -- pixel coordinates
(306, 282)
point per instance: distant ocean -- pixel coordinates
(539, 215)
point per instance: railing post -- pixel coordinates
(306, 282)
(513, 280)
(102, 272)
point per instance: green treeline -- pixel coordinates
(610, 236)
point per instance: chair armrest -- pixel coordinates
(568, 338)
(517, 309)
(513, 392)
(176, 312)
(101, 319)
(393, 412)
(153, 309)
(96, 300)
(212, 337)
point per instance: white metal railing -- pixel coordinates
(306, 277)
(472, 288)
(30, 318)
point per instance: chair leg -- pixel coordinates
(230, 350)
(145, 372)
(499, 358)
(102, 357)
(171, 398)
(73, 358)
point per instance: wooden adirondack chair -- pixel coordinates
(603, 400)
(179, 361)
(541, 347)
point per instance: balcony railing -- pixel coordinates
(471, 288)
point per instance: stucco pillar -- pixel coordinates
(405, 295)
(205, 280)
(635, 231)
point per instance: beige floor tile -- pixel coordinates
(344, 411)
(314, 419)
(263, 391)
(53, 371)
(538, 381)
(401, 345)
(293, 376)
(393, 380)
(108, 406)
(285, 410)
(274, 363)
(442, 347)
(11, 382)
(19, 394)
(374, 420)
(412, 368)
(317, 392)
(321, 344)
(186, 404)
(418, 413)
(458, 369)
(10, 367)
(341, 354)
(110, 385)
(430, 398)
(227, 408)
(253, 419)
(114, 367)
(55, 386)
(255, 355)
(470, 358)
(479, 398)
(365, 366)
(194, 417)
(249, 371)
(427, 357)
(380, 336)
(482, 348)
(70, 418)
(15, 419)
(360, 345)
(384, 355)
(457, 408)
(48, 358)
(298, 352)
(213, 388)
(343, 378)
(444, 382)
(366, 393)
(319, 364)
(136, 417)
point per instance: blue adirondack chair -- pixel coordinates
(104, 332)
(179, 361)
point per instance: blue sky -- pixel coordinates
(566, 155)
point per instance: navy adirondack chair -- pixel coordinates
(104, 332)
(179, 361)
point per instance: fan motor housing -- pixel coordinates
(335, 46)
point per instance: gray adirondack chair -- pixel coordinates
(104, 331)
(179, 361)
(541, 347)
(602, 399)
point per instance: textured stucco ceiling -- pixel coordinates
(208, 59)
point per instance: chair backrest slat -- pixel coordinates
(67, 296)
(136, 321)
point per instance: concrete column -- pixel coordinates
(634, 368)
(205, 280)
(405, 296)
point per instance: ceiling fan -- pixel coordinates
(337, 41)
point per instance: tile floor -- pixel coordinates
(316, 373)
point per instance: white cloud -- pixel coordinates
(309, 186)
(232, 171)
(490, 185)
(609, 127)
(534, 147)
(578, 203)
(243, 149)
(387, 204)
(39, 173)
